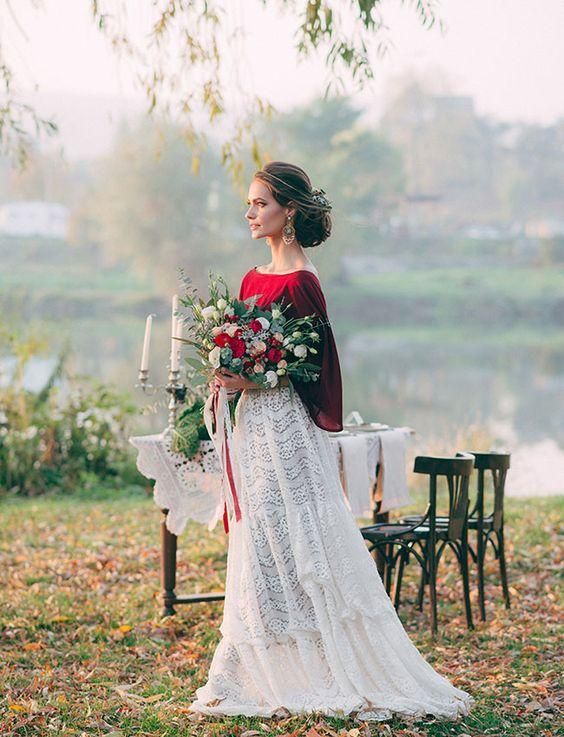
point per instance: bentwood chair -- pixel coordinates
(425, 540)
(488, 527)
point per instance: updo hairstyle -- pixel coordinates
(291, 186)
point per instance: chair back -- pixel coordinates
(497, 464)
(456, 471)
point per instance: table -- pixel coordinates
(191, 488)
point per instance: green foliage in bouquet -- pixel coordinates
(190, 429)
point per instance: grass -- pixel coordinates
(518, 283)
(85, 651)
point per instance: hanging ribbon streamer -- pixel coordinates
(217, 419)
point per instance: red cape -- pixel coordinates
(323, 398)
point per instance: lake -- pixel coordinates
(498, 389)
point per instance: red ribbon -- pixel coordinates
(228, 468)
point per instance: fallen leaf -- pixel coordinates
(313, 733)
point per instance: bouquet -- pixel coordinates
(263, 345)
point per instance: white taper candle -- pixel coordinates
(174, 332)
(146, 344)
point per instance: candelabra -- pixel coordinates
(177, 391)
(174, 387)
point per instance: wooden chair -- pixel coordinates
(423, 539)
(489, 527)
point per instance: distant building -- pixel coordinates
(34, 218)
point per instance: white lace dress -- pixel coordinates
(307, 623)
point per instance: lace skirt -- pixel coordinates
(307, 624)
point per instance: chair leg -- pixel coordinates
(480, 555)
(399, 575)
(388, 569)
(422, 582)
(421, 592)
(465, 582)
(432, 587)
(503, 568)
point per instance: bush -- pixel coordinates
(74, 429)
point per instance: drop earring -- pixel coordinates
(288, 232)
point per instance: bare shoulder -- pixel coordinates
(308, 270)
(266, 269)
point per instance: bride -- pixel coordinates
(307, 624)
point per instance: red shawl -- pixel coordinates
(323, 398)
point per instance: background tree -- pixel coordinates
(453, 157)
(147, 207)
(361, 172)
(185, 58)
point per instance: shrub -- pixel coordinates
(72, 429)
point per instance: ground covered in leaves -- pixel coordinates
(85, 652)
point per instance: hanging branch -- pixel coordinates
(187, 65)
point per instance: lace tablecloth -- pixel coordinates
(191, 488)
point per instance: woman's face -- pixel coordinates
(265, 216)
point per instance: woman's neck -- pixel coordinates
(286, 257)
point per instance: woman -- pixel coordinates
(307, 623)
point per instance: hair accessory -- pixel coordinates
(318, 196)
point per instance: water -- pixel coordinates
(458, 390)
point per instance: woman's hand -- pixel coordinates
(235, 382)
(231, 381)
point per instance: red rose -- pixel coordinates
(255, 326)
(274, 355)
(237, 345)
(222, 339)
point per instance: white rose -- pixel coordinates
(221, 304)
(215, 314)
(264, 322)
(258, 369)
(271, 378)
(300, 351)
(258, 347)
(214, 356)
(231, 329)
(282, 363)
(207, 312)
